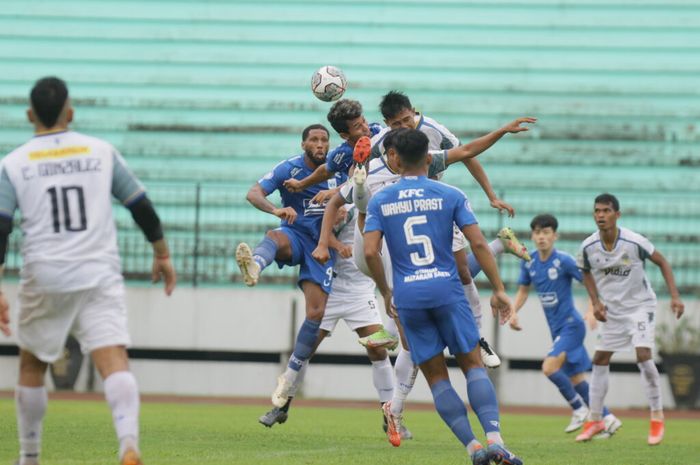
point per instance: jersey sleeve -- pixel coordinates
(339, 159)
(373, 220)
(274, 179)
(8, 196)
(582, 259)
(464, 215)
(125, 185)
(524, 278)
(346, 191)
(438, 164)
(645, 247)
(571, 268)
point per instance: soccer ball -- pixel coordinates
(328, 83)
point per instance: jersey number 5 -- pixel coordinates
(72, 199)
(419, 239)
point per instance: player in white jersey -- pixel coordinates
(352, 299)
(70, 283)
(612, 260)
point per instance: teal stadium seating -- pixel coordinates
(204, 97)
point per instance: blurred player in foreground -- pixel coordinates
(62, 182)
(416, 217)
(612, 260)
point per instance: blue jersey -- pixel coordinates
(309, 215)
(552, 281)
(416, 216)
(339, 159)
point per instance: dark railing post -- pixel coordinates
(195, 253)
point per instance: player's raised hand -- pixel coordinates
(163, 268)
(501, 206)
(502, 306)
(4, 316)
(293, 185)
(677, 307)
(321, 254)
(287, 214)
(324, 196)
(515, 126)
(515, 322)
(600, 312)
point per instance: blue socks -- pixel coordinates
(264, 253)
(567, 390)
(452, 410)
(474, 267)
(482, 397)
(582, 389)
(306, 338)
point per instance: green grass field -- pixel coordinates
(80, 433)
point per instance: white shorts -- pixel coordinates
(459, 242)
(358, 253)
(96, 317)
(357, 311)
(625, 332)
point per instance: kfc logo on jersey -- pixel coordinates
(408, 193)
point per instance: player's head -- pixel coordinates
(606, 211)
(314, 141)
(397, 110)
(348, 121)
(50, 105)
(544, 231)
(412, 148)
(392, 157)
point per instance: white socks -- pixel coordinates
(299, 380)
(360, 196)
(472, 295)
(651, 383)
(383, 378)
(122, 396)
(597, 391)
(31, 407)
(496, 247)
(406, 372)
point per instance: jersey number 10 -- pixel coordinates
(71, 199)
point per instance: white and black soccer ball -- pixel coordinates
(328, 83)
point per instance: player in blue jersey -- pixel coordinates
(345, 116)
(551, 272)
(292, 243)
(416, 216)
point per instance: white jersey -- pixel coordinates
(619, 274)
(63, 184)
(348, 280)
(439, 137)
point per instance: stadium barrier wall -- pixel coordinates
(234, 341)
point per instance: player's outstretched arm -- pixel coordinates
(319, 175)
(677, 305)
(258, 198)
(520, 299)
(483, 143)
(599, 310)
(321, 253)
(500, 301)
(373, 244)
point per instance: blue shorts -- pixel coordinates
(570, 340)
(429, 331)
(309, 270)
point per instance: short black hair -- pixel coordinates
(389, 139)
(544, 220)
(394, 103)
(48, 97)
(342, 111)
(608, 199)
(308, 129)
(412, 146)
